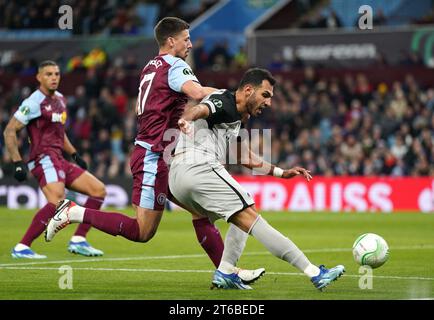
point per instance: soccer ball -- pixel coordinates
(370, 249)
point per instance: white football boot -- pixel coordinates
(249, 276)
(60, 220)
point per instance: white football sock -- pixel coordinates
(78, 239)
(20, 247)
(76, 214)
(235, 242)
(311, 271)
(279, 245)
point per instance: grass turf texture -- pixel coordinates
(174, 266)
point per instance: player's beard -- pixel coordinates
(251, 104)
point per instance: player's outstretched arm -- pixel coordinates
(251, 160)
(195, 90)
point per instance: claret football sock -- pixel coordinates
(113, 223)
(210, 239)
(91, 203)
(38, 224)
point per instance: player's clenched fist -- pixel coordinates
(185, 126)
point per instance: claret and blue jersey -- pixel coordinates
(161, 101)
(45, 118)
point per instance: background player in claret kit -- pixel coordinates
(44, 115)
(199, 180)
(166, 83)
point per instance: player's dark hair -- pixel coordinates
(47, 63)
(169, 27)
(255, 76)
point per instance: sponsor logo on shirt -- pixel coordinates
(59, 117)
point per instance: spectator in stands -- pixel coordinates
(239, 61)
(297, 61)
(200, 56)
(380, 18)
(332, 20)
(411, 58)
(277, 64)
(219, 57)
(392, 124)
(95, 58)
(427, 19)
(131, 63)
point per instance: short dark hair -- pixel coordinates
(169, 27)
(47, 63)
(255, 76)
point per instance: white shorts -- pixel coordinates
(208, 190)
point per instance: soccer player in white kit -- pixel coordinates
(198, 180)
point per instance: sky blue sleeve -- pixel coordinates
(179, 73)
(28, 110)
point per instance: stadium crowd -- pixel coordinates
(94, 16)
(330, 126)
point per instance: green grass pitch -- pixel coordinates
(174, 266)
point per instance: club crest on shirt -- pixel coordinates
(217, 102)
(161, 198)
(62, 174)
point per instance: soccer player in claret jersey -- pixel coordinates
(166, 83)
(44, 115)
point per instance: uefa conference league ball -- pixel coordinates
(370, 249)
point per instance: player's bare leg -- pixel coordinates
(53, 192)
(148, 221)
(89, 185)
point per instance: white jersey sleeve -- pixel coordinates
(179, 73)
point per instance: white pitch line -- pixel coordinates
(105, 259)
(420, 247)
(201, 271)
